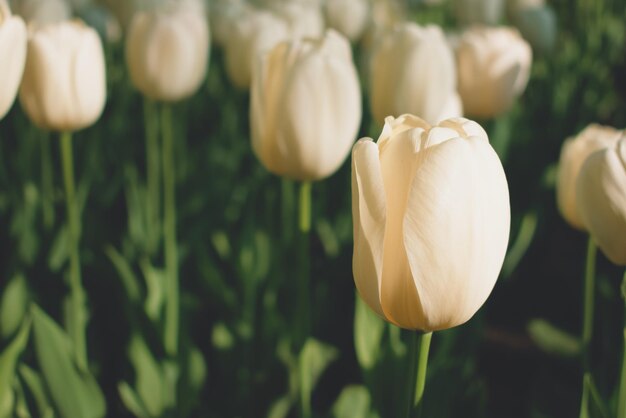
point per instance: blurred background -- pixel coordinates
(518, 357)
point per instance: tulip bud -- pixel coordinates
(481, 12)
(42, 12)
(348, 17)
(12, 56)
(574, 152)
(305, 107)
(64, 85)
(255, 33)
(494, 67)
(431, 217)
(167, 51)
(412, 70)
(224, 15)
(304, 19)
(601, 199)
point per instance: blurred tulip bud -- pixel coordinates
(103, 21)
(12, 56)
(349, 17)
(224, 15)
(412, 70)
(494, 67)
(479, 12)
(255, 33)
(305, 107)
(573, 154)
(431, 217)
(304, 19)
(601, 200)
(538, 25)
(64, 85)
(167, 51)
(42, 12)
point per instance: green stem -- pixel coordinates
(78, 320)
(153, 168)
(621, 403)
(588, 303)
(418, 365)
(169, 234)
(303, 310)
(47, 186)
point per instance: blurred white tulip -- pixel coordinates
(431, 214)
(12, 56)
(574, 152)
(305, 20)
(253, 34)
(494, 67)
(601, 200)
(167, 51)
(64, 84)
(348, 17)
(412, 70)
(305, 107)
(43, 11)
(224, 15)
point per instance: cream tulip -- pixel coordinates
(12, 56)
(167, 51)
(494, 67)
(224, 15)
(473, 12)
(431, 214)
(348, 17)
(255, 33)
(64, 84)
(305, 107)
(305, 19)
(574, 152)
(42, 12)
(601, 199)
(412, 70)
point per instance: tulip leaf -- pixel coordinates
(553, 340)
(280, 408)
(129, 279)
(8, 365)
(59, 250)
(149, 377)
(13, 306)
(368, 333)
(155, 283)
(74, 393)
(314, 358)
(353, 402)
(21, 406)
(37, 388)
(132, 401)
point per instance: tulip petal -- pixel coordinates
(456, 230)
(12, 60)
(369, 214)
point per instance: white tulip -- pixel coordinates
(12, 56)
(167, 51)
(305, 107)
(574, 152)
(64, 84)
(349, 17)
(472, 12)
(431, 220)
(412, 70)
(43, 11)
(494, 68)
(601, 200)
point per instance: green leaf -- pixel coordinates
(21, 406)
(8, 365)
(132, 401)
(553, 340)
(353, 402)
(196, 369)
(129, 279)
(155, 283)
(280, 408)
(59, 251)
(13, 306)
(222, 338)
(36, 386)
(313, 360)
(74, 393)
(148, 376)
(368, 333)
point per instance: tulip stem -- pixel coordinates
(78, 320)
(305, 207)
(152, 170)
(418, 365)
(588, 303)
(303, 309)
(621, 403)
(169, 234)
